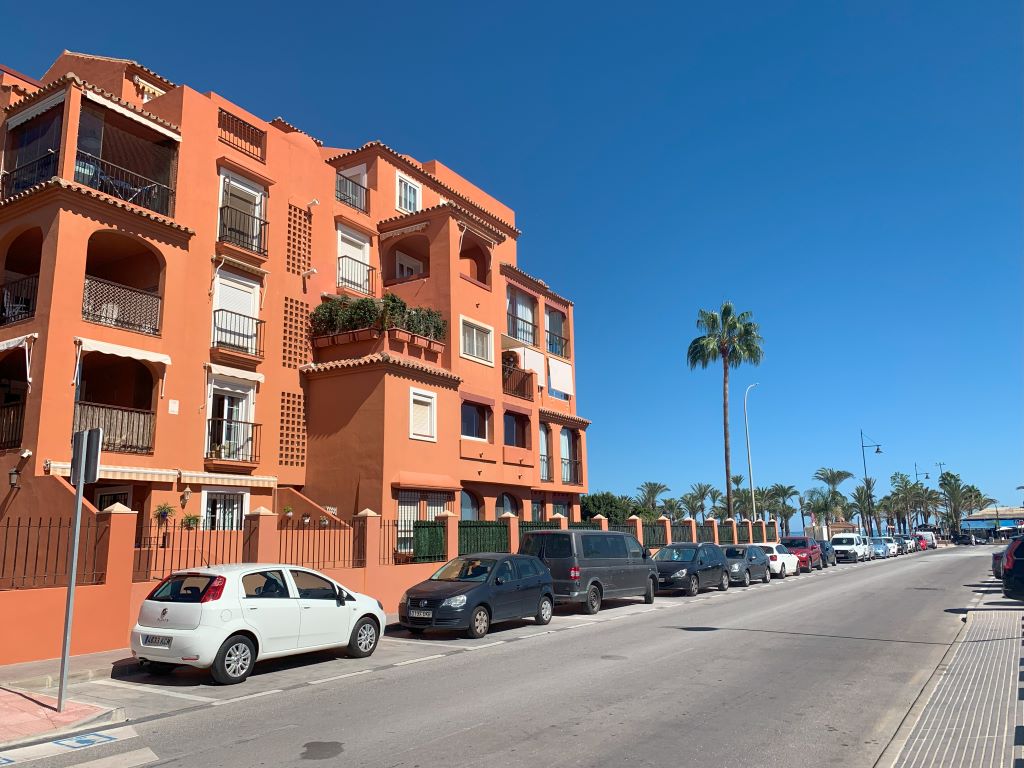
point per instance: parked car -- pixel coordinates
(922, 542)
(893, 547)
(997, 563)
(806, 549)
(1013, 570)
(691, 567)
(965, 539)
(878, 547)
(228, 617)
(781, 561)
(905, 544)
(746, 563)
(588, 567)
(828, 553)
(929, 538)
(474, 591)
(847, 547)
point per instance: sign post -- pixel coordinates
(85, 467)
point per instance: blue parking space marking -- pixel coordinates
(85, 740)
(6, 761)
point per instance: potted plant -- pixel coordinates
(288, 511)
(190, 522)
(163, 513)
(394, 317)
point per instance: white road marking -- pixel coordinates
(256, 695)
(485, 645)
(67, 745)
(123, 760)
(340, 677)
(138, 687)
(584, 624)
(417, 661)
(536, 634)
(428, 643)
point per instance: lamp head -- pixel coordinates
(878, 449)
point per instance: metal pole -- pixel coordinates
(864, 461)
(69, 608)
(750, 465)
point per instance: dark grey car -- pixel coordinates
(747, 563)
(588, 566)
(691, 567)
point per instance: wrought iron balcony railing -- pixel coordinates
(118, 305)
(123, 184)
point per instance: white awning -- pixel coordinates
(235, 373)
(90, 345)
(25, 341)
(93, 96)
(561, 376)
(238, 481)
(36, 109)
(142, 474)
(532, 360)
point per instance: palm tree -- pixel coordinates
(765, 500)
(833, 478)
(718, 509)
(701, 491)
(739, 504)
(801, 500)
(732, 339)
(861, 504)
(693, 504)
(672, 508)
(818, 501)
(956, 499)
(782, 494)
(647, 496)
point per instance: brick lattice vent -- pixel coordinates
(299, 255)
(292, 450)
(295, 342)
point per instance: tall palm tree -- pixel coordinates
(956, 499)
(733, 339)
(672, 508)
(861, 504)
(739, 501)
(692, 504)
(833, 478)
(818, 502)
(700, 491)
(718, 508)
(801, 501)
(765, 501)
(782, 494)
(647, 495)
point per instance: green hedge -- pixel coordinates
(346, 314)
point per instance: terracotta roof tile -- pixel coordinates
(384, 359)
(564, 418)
(532, 282)
(130, 62)
(284, 125)
(449, 205)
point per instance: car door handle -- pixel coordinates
(306, 607)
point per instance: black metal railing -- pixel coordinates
(536, 525)
(12, 423)
(118, 305)
(585, 526)
(627, 528)
(238, 332)
(356, 275)
(726, 535)
(350, 192)
(572, 471)
(36, 553)
(482, 536)
(743, 534)
(705, 533)
(243, 229)
(125, 430)
(517, 382)
(558, 345)
(654, 535)
(321, 542)
(545, 469)
(18, 299)
(682, 533)
(29, 174)
(243, 136)
(165, 546)
(521, 329)
(230, 440)
(412, 541)
(123, 184)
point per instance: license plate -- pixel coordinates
(663, 581)
(157, 641)
(416, 614)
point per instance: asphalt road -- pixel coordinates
(819, 669)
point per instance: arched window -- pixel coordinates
(470, 506)
(508, 503)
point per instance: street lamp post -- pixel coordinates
(917, 479)
(940, 465)
(750, 465)
(864, 461)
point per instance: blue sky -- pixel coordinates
(849, 172)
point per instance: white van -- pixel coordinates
(930, 538)
(850, 547)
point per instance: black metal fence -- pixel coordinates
(521, 329)
(743, 534)
(350, 192)
(243, 229)
(123, 184)
(118, 305)
(125, 430)
(29, 174)
(572, 471)
(631, 529)
(12, 425)
(18, 299)
(321, 543)
(586, 526)
(35, 552)
(706, 533)
(424, 542)
(172, 545)
(482, 536)
(356, 275)
(243, 136)
(230, 440)
(536, 525)
(558, 345)
(654, 535)
(235, 331)
(517, 382)
(725, 535)
(758, 535)
(682, 533)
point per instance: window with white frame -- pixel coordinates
(477, 342)
(242, 212)
(230, 433)
(422, 415)
(236, 313)
(408, 194)
(407, 266)
(224, 509)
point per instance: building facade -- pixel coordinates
(163, 251)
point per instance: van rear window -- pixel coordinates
(186, 588)
(546, 545)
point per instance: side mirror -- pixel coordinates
(647, 553)
(341, 596)
(499, 580)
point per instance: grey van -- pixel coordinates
(588, 567)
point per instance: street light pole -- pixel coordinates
(750, 465)
(940, 465)
(864, 461)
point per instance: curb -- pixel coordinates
(105, 672)
(109, 717)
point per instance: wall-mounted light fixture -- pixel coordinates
(12, 477)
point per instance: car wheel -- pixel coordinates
(824, 562)
(363, 640)
(479, 623)
(234, 660)
(833, 561)
(692, 586)
(593, 604)
(652, 587)
(157, 668)
(544, 611)
(746, 578)
(782, 572)
(723, 583)
(819, 564)
(767, 575)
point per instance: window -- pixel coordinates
(437, 502)
(517, 427)
(635, 550)
(476, 342)
(408, 195)
(537, 511)
(181, 589)
(224, 511)
(313, 587)
(520, 308)
(560, 508)
(354, 260)
(508, 503)
(557, 335)
(422, 415)
(121, 494)
(545, 452)
(408, 513)
(264, 584)
(527, 567)
(230, 434)
(505, 573)
(470, 507)
(406, 266)
(241, 213)
(235, 310)
(474, 421)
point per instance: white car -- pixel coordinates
(891, 545)
(781, 562)
(850, 547)
(228, 617)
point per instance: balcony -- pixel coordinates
(123, 184)
(12, 422)
(517, 382)
(29, 174)
(18, 300)
(243, 136)
(243, 230)
(350, 192)
(572, 471)
(125, 430)
(355, 275)
(522, 330)
(119, 306)
(232, 443)
(558, 345)
(234, 332)
(545, 469)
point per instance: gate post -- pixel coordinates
(512, 522)
(601, 520)
(451, 534)
(260, 544)
(638, 527)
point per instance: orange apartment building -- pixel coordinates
(162, 251)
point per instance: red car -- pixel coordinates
(806, 549)
(922, 543)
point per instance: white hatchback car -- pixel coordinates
(226, 617)
(781, 561)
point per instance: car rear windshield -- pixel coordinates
(795, 543)
(676, 554)
(735, 552)
(876, 540)
(769, 550)
(465, 569)
(186, 588)
(843, 541)
(549, 546)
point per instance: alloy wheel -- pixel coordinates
(366, 638)
(237, 660)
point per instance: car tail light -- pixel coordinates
(214, 590)
(773, 558)
(574, 572)
(1008, 558)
